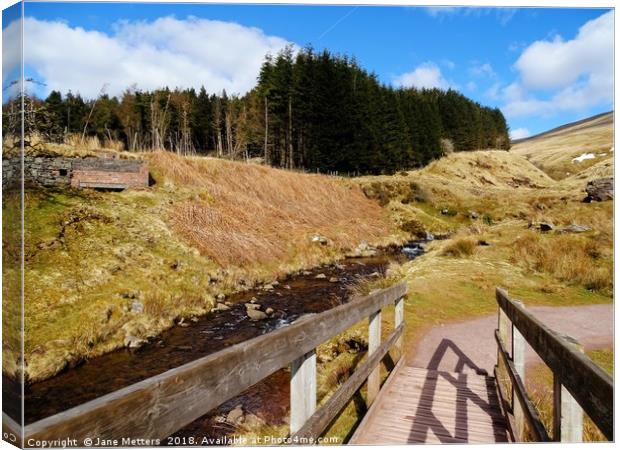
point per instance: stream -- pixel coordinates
(290, 299)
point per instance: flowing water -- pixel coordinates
(269, 399)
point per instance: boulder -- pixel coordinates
(269, 311)
(255, 315)
(221, 307)
(136, 307)
(254, 306)
(363, 249)
(236, 416)
(600, 190)
(132, 341)
(473, 215)
(317, 238)
(333, 280)
(541, 226)
(321, 276)
(574, 228)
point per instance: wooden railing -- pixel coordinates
(157, 407)
(579, 384)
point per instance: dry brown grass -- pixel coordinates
(247, 214)
(460, 248)
(569, 258)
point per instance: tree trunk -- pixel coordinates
(266, 149)
(290, 133)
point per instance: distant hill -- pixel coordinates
(570, 149)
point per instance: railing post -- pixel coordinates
(567, 414)
(374, 341)
(303, 390)
(502, 327)
(399, 318)
(518, 358)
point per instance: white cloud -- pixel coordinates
(169, 52)
(448, 64)
(558, 76)
(426, 76)
(482, 70)
(503, 15)
(471, 86)
(558, 63)
(519, 133)
(438, 11)
(11, 60)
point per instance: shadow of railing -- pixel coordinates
(425, 420)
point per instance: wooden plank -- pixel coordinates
(529, 412)
(567, 414)
(441, 406)
(399, 318)
(303, 390)
(401, 412)
(518, 359)
(374, 342)
(159, 406)
(406, 434)
(472, 428)
(11, 430)
(590, 385)
(503, 406)
(319, 421)
(359, 436)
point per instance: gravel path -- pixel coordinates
(470, 345)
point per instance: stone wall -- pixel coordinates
(93, 172)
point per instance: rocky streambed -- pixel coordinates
(234, 320)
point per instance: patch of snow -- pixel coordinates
(583, 157)
(611, 150)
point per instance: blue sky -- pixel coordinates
(542, 67)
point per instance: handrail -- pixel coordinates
(577, 375)
(159, 406)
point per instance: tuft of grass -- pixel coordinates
(576, 259)
(460, 248)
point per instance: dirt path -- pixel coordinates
(470, 345)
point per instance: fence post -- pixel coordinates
(303, 390)
(374, 341)
(567, 414)
(399, 317)
(502, 327)
(518, 358)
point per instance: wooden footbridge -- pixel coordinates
(410, 405)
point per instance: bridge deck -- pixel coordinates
(429, 406)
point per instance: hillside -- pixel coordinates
(570, 149)
(207, 227)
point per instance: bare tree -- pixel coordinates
(101, 93)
